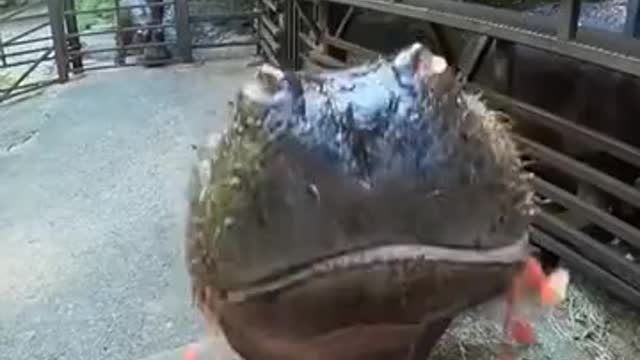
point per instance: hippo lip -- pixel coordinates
(363, 258)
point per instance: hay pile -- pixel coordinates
(588, 325)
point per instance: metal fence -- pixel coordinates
(148, 40)
(318, 44)
(39, 43)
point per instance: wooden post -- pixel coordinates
(56, 20)
(183, 30)
(74, 42)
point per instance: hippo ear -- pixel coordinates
(420, 59)
(438, 64)
(409, 57)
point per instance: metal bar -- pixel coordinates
(56, 12)
(581, 171)
(30, 41)
(259, 26)
(621, 229)
(350, 47)
(26, 52)
(271, 40)
(134, 46)
(71, 20)
(269, 25)
(115, 30)
(14, 12)
(288, 59)
(37, 87)
(138, 63)
(25, 18)
(472, 55)
(590, 248)
(270, 5)
(113, 9)
(603, 278)
(308, 23)
(25, 74)
(600, 48)
(503, 66)
(29, 85)
(28, 32)
(325, 60)
(227, 16)
(183, 30)
(568, 19)
(26, 62)
(269, 53)
(308, 64)
(224, 44)
(2, 58)
(344, 22)
(594, 139)
(632, 22)
(308, 41)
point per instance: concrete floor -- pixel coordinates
(92, 180)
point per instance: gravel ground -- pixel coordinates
(91, 217)
(603, 15)
(588, 325)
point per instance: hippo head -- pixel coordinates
(372, 167)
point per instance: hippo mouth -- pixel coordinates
(361, 260)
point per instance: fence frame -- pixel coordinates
(65, 45)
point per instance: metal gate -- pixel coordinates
(26, 46)
(140, 28)
(609, 256)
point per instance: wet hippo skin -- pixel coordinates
(351, 214)
(373, 313)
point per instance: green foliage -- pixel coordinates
(85, 21)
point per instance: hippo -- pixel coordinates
(353, 214)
